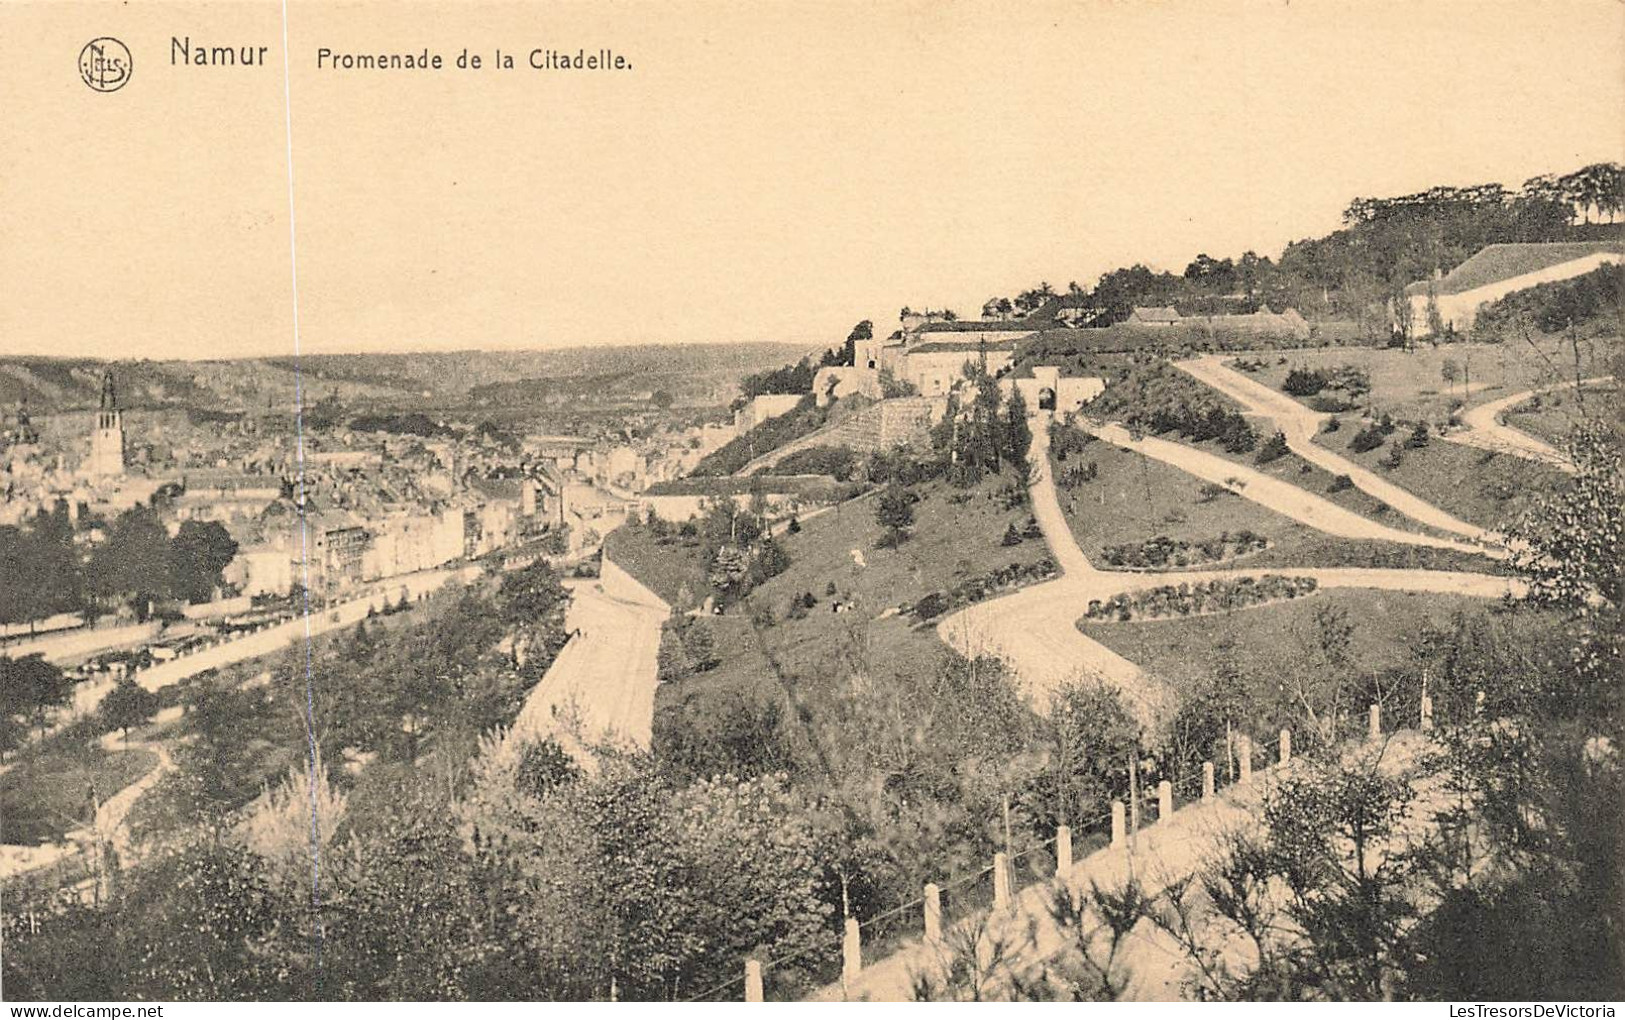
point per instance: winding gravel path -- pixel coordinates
(1483, 428)
(1300, 424)
(1035, 629)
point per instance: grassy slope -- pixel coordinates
(666, 567)
(1478, 486)
(1115, 509)
(1552, 416)
(1272, 640)
(47, 792)
(1294, 470)
(1409, 384)
(952, 542)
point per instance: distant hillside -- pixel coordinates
(516, 380)
(1350, 274)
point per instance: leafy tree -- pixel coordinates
(894, 512)
(135, 559)
(128, 704)
(1567, 547)
(729, 568)
(33, 687)
(1016, 436)
(532, 598)
(1091, 737)
(198, 556)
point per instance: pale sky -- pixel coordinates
(766, 171)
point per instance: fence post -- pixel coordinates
(1374, 724)
(753, 981)
(1286, 746)
(933, 913)
(1427, 714)
(1244, 757)
(1165, 800)
(1118, 825)
(1207, 780)
(1001, 881)
(851, 952)
(1063, 850)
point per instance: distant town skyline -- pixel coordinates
(759, 175)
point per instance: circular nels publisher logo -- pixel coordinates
(105, 64)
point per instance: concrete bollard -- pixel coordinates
(1063, 849)
(1286, 746)
(851, 951)
(1207, 780)
(933, 913)
(1165, 800)
(1244, 757)
(1427, 714)
(1001, 881)
(1119, 826)
(1374, 725)
(753, 981)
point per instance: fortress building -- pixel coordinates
(107, 439)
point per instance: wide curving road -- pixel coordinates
(601, 688)
(1034, 629)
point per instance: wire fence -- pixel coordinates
(971, 895)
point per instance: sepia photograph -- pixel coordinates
(692, 501)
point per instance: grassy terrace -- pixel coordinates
(1478, 486)
(1270, 646)
(1552, 416)
(1135, 498)
(956, 538)
(1295, 470)
(1167, 388)
(1411, 384)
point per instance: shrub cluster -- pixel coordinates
(1368, 439)
(1273, 449)
(1163, 551)
(1304, 382)
(1159, 398)
(838, 462)
(1075, 475)
(978, 588)
(1209, 597)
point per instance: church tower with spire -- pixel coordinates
(107, 441)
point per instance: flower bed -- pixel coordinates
(1194, 599)
(1162, 551)
(981, 587)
